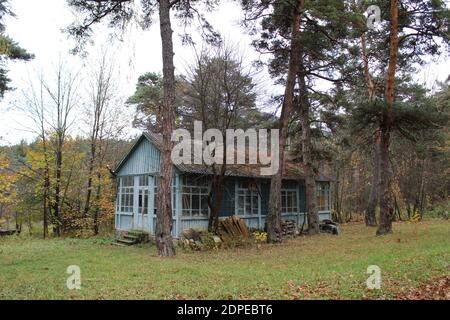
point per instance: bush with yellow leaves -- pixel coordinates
(260, 236)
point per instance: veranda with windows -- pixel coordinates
(245, 197)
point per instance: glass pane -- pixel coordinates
(248, 204)
(294, 200)
(240, 205)
(204, 205)
(289, 200)
(185, 213)
(146, 202)
(255, 204)
(195, 201)
(243, 184)
(128, 182)
(143, 180)
(174, 199)
(131, 202)
(186, 201)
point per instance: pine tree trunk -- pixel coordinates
(274, 214)
(385, 225)
(310, 176)
(218, 187)
(164, 242)
(370, 217)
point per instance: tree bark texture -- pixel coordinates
(274, 215)
(164, 241)
(385, 225)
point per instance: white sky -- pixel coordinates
(38, 26)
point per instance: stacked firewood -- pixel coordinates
(232, 228)
(4, 232)
(289, 228)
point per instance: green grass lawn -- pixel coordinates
(323, 266)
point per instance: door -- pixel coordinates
(141, 212)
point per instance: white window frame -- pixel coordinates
(284, 204)
(190, 189)
(323, 188)
(126, 193)
(154, 196)
(143, 190)
(246, 193)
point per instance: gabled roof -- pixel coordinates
(291, 170)
(129, 153)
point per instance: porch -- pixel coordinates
(245, 197)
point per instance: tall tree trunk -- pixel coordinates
(218, 191)
(46, 195)
(274, 214)
(370, 216)
(385, 225)
(56, 206)
(164, 241)
(385, 175)
(310, 176)
(87, 203)
(97, 199)
(46, 202)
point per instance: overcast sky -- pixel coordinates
(38, 26)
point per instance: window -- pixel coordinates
(127, 194)
(155, 197)
(323, 196)
(194, 195)
(247, 198)
(118, 195)
(289, 201)
(143, 195)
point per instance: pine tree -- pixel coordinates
(120, 12)
(9, 49)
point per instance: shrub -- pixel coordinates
(441, 211)
(260, 236)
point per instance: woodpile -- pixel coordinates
(233, 228)
(289, 228)
(4, 232)
(329, 226)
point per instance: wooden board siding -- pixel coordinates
(143, 160)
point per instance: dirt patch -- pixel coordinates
(437, 289)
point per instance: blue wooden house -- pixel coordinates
(246, 192)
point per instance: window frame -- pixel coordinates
(143, 193)
(127, 195)
(192, 187)
(284, 201)
(245, 193)
(323, 193)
